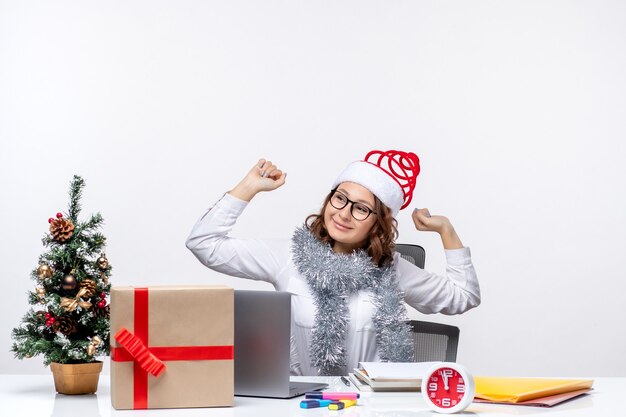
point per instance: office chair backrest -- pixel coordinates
(432, 341)
(412, 253)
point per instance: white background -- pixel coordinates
(516, 108)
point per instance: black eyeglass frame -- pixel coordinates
(352, 203)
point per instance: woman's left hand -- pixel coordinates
(425, 222)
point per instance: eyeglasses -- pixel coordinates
(359, 211)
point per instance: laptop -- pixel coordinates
(262, 346)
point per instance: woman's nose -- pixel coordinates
(344, 213)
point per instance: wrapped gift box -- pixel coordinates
(172, 347)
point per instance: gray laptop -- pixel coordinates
(262, 346)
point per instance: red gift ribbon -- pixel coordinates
(149, 359)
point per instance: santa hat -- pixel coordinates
(389, 175)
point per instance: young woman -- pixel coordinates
(348, 284)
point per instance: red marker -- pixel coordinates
(324, 395)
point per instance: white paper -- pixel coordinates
(396, 370)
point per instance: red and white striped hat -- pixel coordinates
(389, 175)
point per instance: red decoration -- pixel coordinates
(140, 353)
(102, 303)
(59, 215)
(103, 295)
(403, 167)
(50, 220)
(47, 315)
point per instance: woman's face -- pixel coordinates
(348, 232)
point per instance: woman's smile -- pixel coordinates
(340, 226)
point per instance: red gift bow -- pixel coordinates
(149, 359)
(140, 353)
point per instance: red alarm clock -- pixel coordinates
(448, 387)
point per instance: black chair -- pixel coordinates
(412, 253)
(432, 341)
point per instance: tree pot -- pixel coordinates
(79, 378)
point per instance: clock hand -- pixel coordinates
(445, 380)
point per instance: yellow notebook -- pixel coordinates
(514, 390)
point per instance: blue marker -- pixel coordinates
(314, 403)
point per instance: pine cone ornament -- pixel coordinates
(89, 286)
(61, 229)
(40, 316)
(101, 312)
(65, 325)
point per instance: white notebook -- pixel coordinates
(395, 370)
(367, 384)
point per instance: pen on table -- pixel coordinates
(345, 381)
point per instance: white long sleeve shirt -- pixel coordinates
(270, 260)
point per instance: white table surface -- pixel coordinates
(34, 395)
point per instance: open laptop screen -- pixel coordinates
(262, 345)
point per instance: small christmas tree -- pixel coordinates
(71, 321)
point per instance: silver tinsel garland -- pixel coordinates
(332, 278)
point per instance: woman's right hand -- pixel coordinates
(263, 176)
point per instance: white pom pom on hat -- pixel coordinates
(389, 175)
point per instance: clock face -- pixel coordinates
(448, 388)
